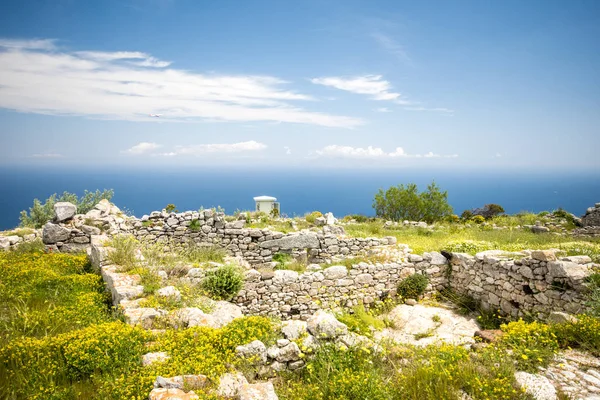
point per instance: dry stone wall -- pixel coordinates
(256, 246)
(519, 285)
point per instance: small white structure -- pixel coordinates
(266, 204)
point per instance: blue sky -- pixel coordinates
(338, 83)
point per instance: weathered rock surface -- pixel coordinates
(324, 325)
(296, 241)
(536, 385)
(258, 391)
(53, 233)
(64, 211)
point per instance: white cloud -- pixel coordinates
(373, 152)
(47, 155)
(29, 44)
(142, 148)
(392, 47)
(383, 110)
(288, 151)
(372, 85)
(128, 85)
(200, 149)
(498, 155)
(442, 110)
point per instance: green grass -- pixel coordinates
(422, 240)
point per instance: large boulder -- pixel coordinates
(254, 352)
(294, 329)
(230, 385)
(537, 386)
(294, 241)
(64, 210)
(592, 216)
(52, 233)
(172, 394)
(325, 326)
(258, 391)
(225, 312)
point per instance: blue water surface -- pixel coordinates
(342, 192)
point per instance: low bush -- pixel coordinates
(361, 321)
(583, 334)
(532, 344)
(194, 225)
(224, 282)
(478, 219)
(469, 246)
(412, 286)
(311, 218)
(40, 213)
(123, 251)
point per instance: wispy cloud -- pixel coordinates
(128, 85)
(442, 110)
(288, 151)
(374, 152)
(392, 47)
(196, 150)
(47, 155)
(28, 44)
(142, 148)
(383, 110)
(374, 86)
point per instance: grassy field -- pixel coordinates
(471, 239)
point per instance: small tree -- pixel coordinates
(405, 202)
(488, 211)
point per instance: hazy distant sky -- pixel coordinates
(313, 82)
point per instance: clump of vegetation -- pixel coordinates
(46, 294)
(360, 218)
(123, 251)
(40, 213)
(412, 286)
(488, 211)
(170, 208)
(312, 217)
(34, 246)
(224, 282)
(406, 203)
(194, 253)
(532, 344)
(286, 261)
(584, 333)
(194, 225)
(469, 246)
(361, 321)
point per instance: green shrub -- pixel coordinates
(123, 252)
(361, 321)
(311, 218)
(406, 203)
(194, 225)
(532, 344)
(469, 246)
(170, 208)
(40, 213)
(478, 219)
(35, 246)
(412, 286)
(584, 334)
(223, 282)
(194, 253)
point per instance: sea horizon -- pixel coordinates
(342, 191)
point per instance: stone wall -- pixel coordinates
(289, 295)
(519, 285)
(256, 246)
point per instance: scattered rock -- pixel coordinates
(53, 233)
(558, 317)
(151, 358)
(255, 352)
(64, 211)
(536, 385)
(257, 391)
(489, 335)
(325, 326)
(230, 384)
(172, 394)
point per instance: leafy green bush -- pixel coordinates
(406, 203)
(40, 213)
(310, 218)
(194, 225)
(223, 282)
(412, 286)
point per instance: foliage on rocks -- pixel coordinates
(584, 333)
(412, 286)
(533, 344)
(40, 213)
(223, 282)
(312, 217)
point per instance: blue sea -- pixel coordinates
(341, 191)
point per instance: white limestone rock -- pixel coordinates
(64, 210)
(258, 391)
(324, 325)
(536, 385)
